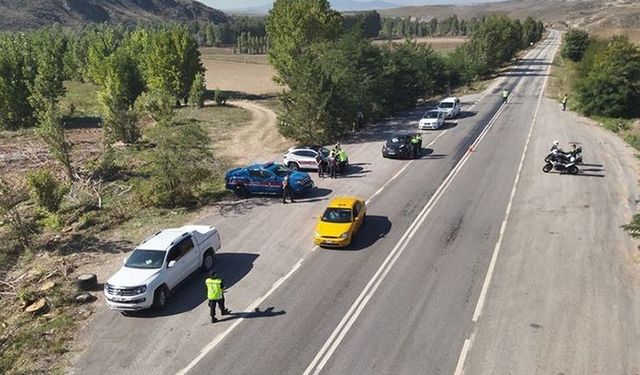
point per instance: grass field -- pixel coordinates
(438, 44)
(249, 78)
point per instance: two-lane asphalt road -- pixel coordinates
(423, 289)
(404, 302)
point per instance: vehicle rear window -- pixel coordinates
(431, 114)
(147, 259)
(337, 215)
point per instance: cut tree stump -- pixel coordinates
(41, 306)
(87, 281)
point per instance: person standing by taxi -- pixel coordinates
(215, 296)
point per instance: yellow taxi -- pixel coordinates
(340, 222)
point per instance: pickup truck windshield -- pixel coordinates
(337, 215)
(147, 259)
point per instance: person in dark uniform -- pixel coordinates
(320, 162)
(287, 191)
(333, 165)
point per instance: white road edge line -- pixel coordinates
(281, 281)
(479, 306)
(356, 309)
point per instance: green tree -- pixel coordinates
(575, 44)
(51, 131)
(172, 61)
(612, 87)
(18, 69)
(198, 91)
(180, 163)
(292, 26)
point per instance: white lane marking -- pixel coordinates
(281, 281)
(358, 306)
(480, 304)
(463, 356)
(402, 170)
(251, 307)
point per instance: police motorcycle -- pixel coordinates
(563, 163)
(556, 153)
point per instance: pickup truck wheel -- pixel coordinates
(241, 192)
(293, 166)
(207, 261)
(160, 298)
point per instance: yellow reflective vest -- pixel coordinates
(214, 288)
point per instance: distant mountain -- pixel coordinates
(339, 5)
(590, 14)
(23, 14)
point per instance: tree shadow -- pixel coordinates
(256, 313)
(374, 228)
(78, 244)
(192, 292)
(239, 95)
(83, 122)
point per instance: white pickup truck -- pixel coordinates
(159, 264)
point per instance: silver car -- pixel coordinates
(304, 157)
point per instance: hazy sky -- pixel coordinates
(230, 4)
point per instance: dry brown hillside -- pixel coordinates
(590, 14)
(23, 14)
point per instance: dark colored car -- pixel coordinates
(266, 179)
(398, 146)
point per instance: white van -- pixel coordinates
(450, 107)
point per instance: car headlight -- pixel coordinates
(317, 234)
(140, 289)
(344, 235)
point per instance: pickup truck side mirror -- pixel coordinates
(124, 261)
(171, 264)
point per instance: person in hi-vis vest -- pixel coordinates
(215, 295)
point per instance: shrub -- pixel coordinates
(46, 190)
(197, 92)
(220, 97)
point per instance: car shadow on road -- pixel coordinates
(465, 114)
(318, 192)
(427, 153)
(231, 267)
(374, 228)
(257, 313)
(449, 124)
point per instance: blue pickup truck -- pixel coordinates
(266, 179)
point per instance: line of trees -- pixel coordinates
(252, 45)
(331, 73)
(608, 73)
(224, 34)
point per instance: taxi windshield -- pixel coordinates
(337, 215)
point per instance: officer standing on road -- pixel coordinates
(564, 102)
(215, 296)
(419, 145)
(320, 162)
(332, 164)
(505, 94)
(414, 146)
(342, 161)
(287, 191)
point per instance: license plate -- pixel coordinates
(117, 299)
